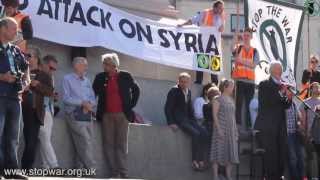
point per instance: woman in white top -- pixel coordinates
(200, 101)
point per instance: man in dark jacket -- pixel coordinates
(271, 122)
(179, 113)
(118, 94)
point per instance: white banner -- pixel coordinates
(92, 23)
(277, 27)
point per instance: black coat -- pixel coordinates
(272, 124)
(272, 106)
(129, 92)
(177, 109)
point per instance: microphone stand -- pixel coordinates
(306, 105)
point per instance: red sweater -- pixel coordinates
(114, 100)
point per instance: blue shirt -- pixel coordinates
(48, 103)
(10, 56)
(76, 90)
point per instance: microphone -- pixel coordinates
(294, 90)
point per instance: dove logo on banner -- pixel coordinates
(277, 29)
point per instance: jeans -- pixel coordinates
(199, 137)
(295, 166)
(317, 148)
(10, 112)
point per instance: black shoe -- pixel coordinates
(124, 176)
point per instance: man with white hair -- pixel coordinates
(80, 102)
(271, 122)
(118, 94)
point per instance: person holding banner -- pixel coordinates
(309, 76)
(271, 122)
(209, 17)
(246, 59)
(25, 30)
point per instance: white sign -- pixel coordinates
(92, 23)
(277, 27)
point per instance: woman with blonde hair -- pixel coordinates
(224, 148)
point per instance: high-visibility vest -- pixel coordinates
(19, 41)
(208, 18)
(243, 72)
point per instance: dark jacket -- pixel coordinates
(44, 88)
(21, 65)
(129, 92)
(177, 109)
(271, 112)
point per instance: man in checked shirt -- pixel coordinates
(295, 148)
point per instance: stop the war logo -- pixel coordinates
(273, 33)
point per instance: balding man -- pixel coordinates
(80, 102)
(12, 66)
(271, 122)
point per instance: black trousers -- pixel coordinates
(199, 137)
(244, 92)
(31, 132)
(274, 141)
(199, 78)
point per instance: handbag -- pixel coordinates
(79, 115)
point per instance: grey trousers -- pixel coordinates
(115, 130)
(81, 135)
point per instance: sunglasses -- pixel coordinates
(313, 62)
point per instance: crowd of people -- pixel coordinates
(285, 128)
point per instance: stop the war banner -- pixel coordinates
(92, 23)
(277, 27)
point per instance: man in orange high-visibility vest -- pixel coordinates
(246, 59)
(25, 30)
(209, 17)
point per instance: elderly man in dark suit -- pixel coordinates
(180, 115)
(271, 122)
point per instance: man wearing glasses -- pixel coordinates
(43, 89)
